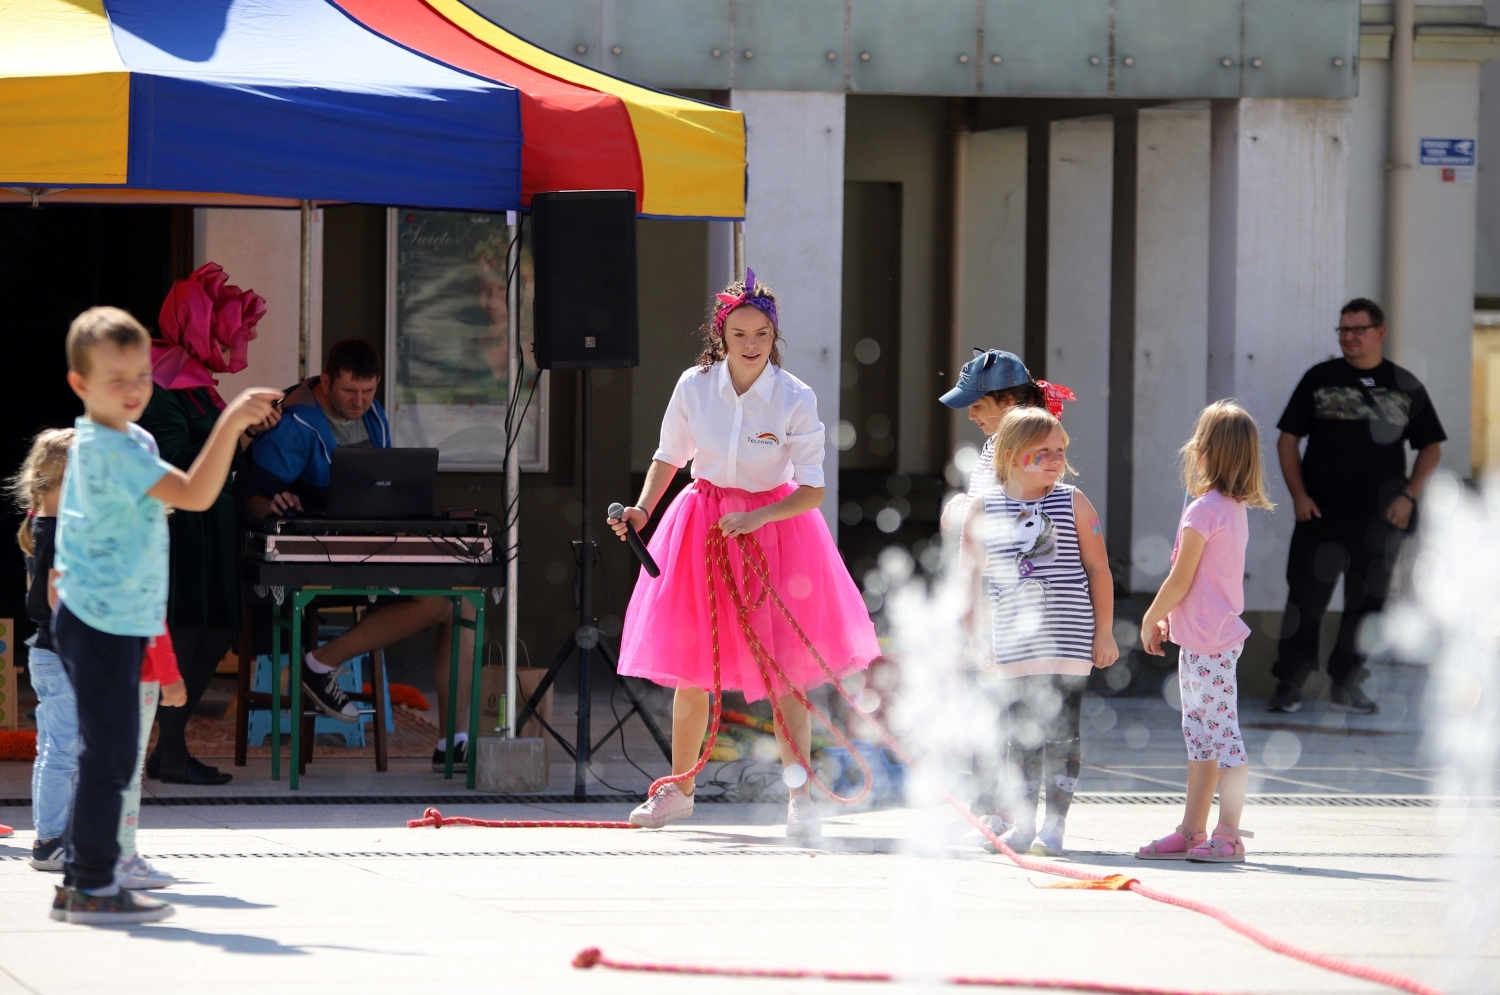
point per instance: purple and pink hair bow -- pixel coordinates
(729, 302)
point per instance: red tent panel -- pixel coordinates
(575, 138)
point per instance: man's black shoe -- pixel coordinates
(196, 773)
(460, 758)
(1352, 699)
(328, 696)
(1286, 699)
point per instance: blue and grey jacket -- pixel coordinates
(296, 454)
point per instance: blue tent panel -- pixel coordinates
(291, 98)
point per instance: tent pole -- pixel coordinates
(739, 250)
(513, 476)
(304, 318)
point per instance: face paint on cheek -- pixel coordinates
(1031, 462)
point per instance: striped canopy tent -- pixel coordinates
(272, 102)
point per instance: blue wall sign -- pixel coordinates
(1448, 151)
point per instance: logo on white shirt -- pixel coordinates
(764, 439)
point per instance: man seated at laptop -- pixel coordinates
(289, 475)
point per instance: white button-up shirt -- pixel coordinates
(755, 441)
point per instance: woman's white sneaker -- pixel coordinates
(667, 805)
(802, 818)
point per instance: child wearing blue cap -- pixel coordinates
(989, 385)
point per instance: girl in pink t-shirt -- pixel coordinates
(1198, 608)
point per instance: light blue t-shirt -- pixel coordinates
(111, 537)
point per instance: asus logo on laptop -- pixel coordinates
(382, 483)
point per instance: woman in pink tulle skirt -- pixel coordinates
(752, 433)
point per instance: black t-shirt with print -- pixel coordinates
(1356, 421)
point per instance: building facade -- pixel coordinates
(1155, 202)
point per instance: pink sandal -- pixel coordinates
(1223, 847)
(1174, 846)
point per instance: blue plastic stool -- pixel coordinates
(351, 680)
(888, 775)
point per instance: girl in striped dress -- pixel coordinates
(1039, 565)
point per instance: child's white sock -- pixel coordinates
(113, 888)
(316, 667)
(459, 739)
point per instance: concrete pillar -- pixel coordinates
(1279, 217)
(261, 251)
(1445, 218)
(1171, 319)
(794, 229)
(1080, 223)
(991, 265)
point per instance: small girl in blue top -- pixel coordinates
(110, 575)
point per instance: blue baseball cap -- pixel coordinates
(990, 369)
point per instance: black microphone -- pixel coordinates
(617, 512)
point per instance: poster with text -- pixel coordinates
(449, 341)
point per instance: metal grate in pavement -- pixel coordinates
(467, 798)
(1333, 801)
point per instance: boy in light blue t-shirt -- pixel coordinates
(110, 578)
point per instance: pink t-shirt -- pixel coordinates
(1208, 619)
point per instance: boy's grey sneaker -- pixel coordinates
(1353, 700)
(137, 874)
(1286, 699)
(123, 908)
(331, 699)
(47, 855)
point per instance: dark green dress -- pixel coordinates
(204, 588)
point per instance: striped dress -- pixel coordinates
(1038, 590)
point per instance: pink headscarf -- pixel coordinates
(206, 328)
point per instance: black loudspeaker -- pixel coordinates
(583, 243)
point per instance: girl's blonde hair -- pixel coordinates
(1224, 455)
(40, 473)
(1022, 427)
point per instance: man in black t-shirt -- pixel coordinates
(1352, 497)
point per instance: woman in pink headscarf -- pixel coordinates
(206, 328)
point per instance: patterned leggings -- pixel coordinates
(1044, 748)
(1210, 706)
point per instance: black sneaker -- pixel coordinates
(460, 758)
(47, 855)
(328, 696)
(123, 908)
(1286, 699)
(1353, 700)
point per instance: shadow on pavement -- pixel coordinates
(1252, 865)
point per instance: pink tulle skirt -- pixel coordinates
(668, 638)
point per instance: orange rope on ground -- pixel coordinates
(592, 957)
(432, 817)
(755, 563)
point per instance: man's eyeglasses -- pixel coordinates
(1343, 330)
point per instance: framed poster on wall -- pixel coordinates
(453, 376)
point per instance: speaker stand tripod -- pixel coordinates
(587, 638)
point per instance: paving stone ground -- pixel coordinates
(1349, 858)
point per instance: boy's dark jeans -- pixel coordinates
(106, 673)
